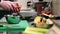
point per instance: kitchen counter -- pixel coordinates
(54, 30)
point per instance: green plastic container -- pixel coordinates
(16, 28)
(13, 19)
(3, 28)
(16, 25)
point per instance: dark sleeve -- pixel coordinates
(0, 0)
(4, 12)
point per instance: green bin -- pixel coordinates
(13, 19)
(16, 28)
(3, 28)
(13, 25)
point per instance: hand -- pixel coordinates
(10, 6)
(8, 0)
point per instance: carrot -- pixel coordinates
(41, 23)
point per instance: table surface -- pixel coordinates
(54, 30)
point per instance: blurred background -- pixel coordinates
(36, 17)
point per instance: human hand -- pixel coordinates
(10, 6)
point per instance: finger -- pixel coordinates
(13, 6)
(18, 7)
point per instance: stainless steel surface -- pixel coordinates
(57, 22)
(54, 30)
(27, 13)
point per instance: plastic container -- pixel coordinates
(13, 19)
(17, 28)
(13, 28)
(3, 28)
